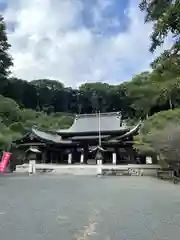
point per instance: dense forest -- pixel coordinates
(152, 96)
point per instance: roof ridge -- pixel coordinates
(36, 128)
(110, 114)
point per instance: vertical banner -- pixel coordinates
(4, 161)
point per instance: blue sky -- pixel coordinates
(3, 4)
(112, 10)
(77, 41)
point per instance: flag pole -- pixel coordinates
(99, 116)
(99, 160)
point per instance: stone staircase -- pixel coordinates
(114, 170)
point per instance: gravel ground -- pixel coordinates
(61, 207)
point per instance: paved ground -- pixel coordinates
(85, 208)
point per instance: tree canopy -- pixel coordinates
(165, 16)
(5, 58)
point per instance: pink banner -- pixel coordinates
(4, 161)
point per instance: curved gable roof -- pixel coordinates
(90, 123)
(133, 131)
(55, 138)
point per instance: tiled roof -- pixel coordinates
(91, 123)
(52, 137)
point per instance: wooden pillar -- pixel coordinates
(73, 156)
(69, 157)
(48, 158)
(131, 154)
(61, 157)
(82, 158)
(85, 150)
(58, 157)
(51, 157)
(114, 158)
(116, 151)
(44, 156)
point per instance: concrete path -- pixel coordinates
(61, 207)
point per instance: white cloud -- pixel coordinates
(47, 43)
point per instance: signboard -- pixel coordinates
(4, 161)
(32, 167)
(133, 172)
(148, 160)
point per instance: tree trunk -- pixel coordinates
(147, 115)
(170, 103)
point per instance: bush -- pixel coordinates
(166, 143)
(155, 125)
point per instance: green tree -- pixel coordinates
(165, 15)
(166, 79)
(96, 95)
(143, 94)
(46, 91)
(5, 58)
(46, 83)
(18, 90)
(9, 111)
